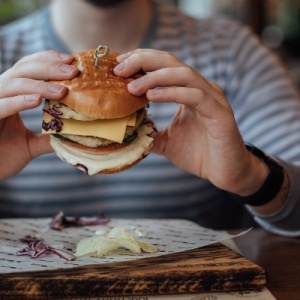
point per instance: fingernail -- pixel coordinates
(154, 92)
(65, 56)
(135, 83)
(120, 66)
(31, 98)
(55, 88)
(67, 68)
(122, 56)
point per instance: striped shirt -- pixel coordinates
(263, 99)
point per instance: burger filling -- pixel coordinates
(59, 119)
(92, 141)
(97, 148)
(114, 161)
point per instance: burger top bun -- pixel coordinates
(97, 92)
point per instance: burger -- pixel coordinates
(99, 127)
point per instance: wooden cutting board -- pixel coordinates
(210, 268)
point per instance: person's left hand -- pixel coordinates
(203, 137)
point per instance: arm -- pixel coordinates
(22, 87)
(203, 137)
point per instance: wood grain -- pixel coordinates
(210, 268)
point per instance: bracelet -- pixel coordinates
(271, 186)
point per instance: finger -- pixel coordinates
(168, 70)
(49, 65)
(159, 143)
(11, 106)
(17, 86)
(182, 76)
(48, 55)
(145, 60)
(198, 100)
(191, 97)
(124, 56)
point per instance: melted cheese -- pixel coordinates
(96, 163)
(110, 129)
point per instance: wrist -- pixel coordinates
(254, 176)
(266, 190)
(277, 202)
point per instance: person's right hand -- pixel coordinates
(23, 87)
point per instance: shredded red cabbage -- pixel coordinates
(54, 124)
(54, 111)
(60, 222)
(82, 168)
(37, 247)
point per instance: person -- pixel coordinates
(212, 87)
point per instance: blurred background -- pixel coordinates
(277, 22)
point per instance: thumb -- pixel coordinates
(160, 141)
(39, 144)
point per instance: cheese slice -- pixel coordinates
(132, 119)
(110, 129)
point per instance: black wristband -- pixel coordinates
(271, 186)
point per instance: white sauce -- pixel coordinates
(96, 163)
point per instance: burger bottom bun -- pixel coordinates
(108, 163)
(121, 169)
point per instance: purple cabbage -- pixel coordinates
(60, 222)
(37, 247)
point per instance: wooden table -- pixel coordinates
(280, 258)
(211, 268)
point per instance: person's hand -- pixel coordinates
(22, 87)
(203, 137)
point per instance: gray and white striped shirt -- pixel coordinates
(264, 102)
